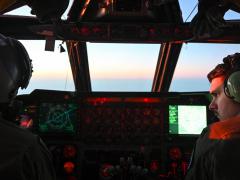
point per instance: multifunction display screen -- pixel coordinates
(58, 117)
(187, 119)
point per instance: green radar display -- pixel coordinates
(57, 118)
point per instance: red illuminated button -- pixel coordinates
(26, 121)
(69, 151)
(69, 167)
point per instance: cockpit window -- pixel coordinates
(194, 63)
(22, 11)
(51, 70)
(122, 67)
(189, 9)
(231, 15)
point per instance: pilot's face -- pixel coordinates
(222, 106)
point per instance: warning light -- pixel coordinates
(26, 121)
(69, 167)
(69, 151)
(146, 100)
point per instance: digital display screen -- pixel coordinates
(187, 119)
(56, 118)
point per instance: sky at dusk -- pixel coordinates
(126, 67)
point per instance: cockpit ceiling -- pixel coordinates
(163, 11)
(101, 10)
(135, 21)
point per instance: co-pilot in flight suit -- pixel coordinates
(217, 152)
(22, 155)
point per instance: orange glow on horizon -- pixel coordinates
(52, 74)
(115, 73)
(101, 75)
(137, 74)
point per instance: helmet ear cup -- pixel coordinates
(232, 86)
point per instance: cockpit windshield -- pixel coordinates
(126, 67)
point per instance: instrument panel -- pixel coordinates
(115, 135)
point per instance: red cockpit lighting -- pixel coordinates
(69, 167)
(69, 151)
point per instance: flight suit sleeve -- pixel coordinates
(37, 162)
